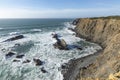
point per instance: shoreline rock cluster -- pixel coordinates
(61, 43)
(18, 57)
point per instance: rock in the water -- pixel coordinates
(26, 61)
(17, 44)
(64, 66)
(55, 36)
(20, 56)
(71, 29)
(38, 62)
(10, 54)
(16, 60)
(43, 70)
(79, 48)
(75, 22)
(61, 44)
(3, 49)
(15, 38)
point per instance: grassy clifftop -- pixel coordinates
(108, 17)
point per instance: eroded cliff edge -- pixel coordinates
(105, 32)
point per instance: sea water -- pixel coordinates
(38, 44)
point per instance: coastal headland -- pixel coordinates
(104, 31)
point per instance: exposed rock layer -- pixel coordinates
(105, 32)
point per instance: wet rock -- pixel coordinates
(10, 54)
(75, 22)
(79, 48)
(64, 66)
(15, 38)
(61, 44)
(17, 44)
(38, 62)
(71, 29)
(55, 36)
(26, 61)
(16, 60)
(3, 49)
(20, 56)
(84, 67)
(74, 34)
(43, 70)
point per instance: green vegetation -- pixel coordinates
(108, 17)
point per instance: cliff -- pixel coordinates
(106, 32)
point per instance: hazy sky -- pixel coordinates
(58, 8)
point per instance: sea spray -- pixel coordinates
(38, 43)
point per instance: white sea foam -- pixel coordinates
(36, 30)
(1, 28)
(44, 50)
(13, 33)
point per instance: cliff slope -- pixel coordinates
(105, 32)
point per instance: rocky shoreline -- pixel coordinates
(106, 66)
(71, 71)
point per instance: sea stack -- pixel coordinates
(60, 44)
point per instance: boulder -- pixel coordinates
(43, 70)
(79, 48)
(38, 62)
(55, 35)
(17, 44)
(26, 61)
(16, 60)
(75, 22)
(15, 38)
(20, 56)
(71, 29)
(9, 54)
(64, 66)
(61, 44)
(3, 49)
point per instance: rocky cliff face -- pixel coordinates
(105, 32)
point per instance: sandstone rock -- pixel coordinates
(105, 32)
(61, 44)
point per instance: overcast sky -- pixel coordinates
(58, 8)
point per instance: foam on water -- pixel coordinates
(14, 33)
(40, 45)
(39, 30)
(1, 28)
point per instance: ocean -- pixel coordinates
(38, 44)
